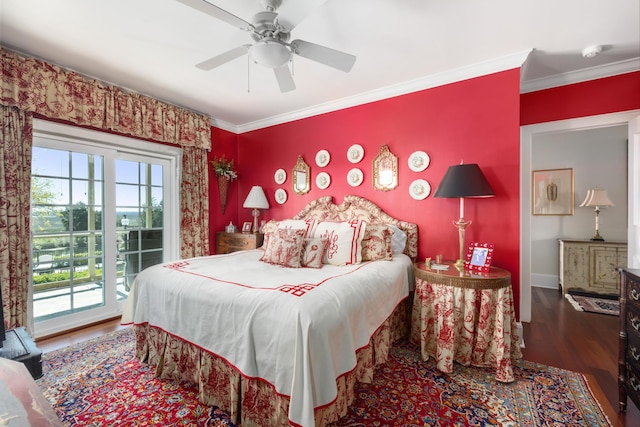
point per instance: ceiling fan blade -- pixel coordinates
(223, 58)
(216, 12)
(324, 55)
(291, 13)
(285, 79)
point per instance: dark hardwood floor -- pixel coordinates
(558, 336)
(578, 341)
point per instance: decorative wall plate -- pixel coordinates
(419, 189)
(323, 180)
(280, 176)
(419, 161)
(354, 177)
(281, 196)
(355, 153)
(323, 158)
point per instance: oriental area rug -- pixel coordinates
(100, 383)
(602, 304)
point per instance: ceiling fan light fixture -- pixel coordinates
(591, 51)
(270, 53)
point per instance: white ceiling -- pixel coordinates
(151, 46)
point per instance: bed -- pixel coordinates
(274, 345)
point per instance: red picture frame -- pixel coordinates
(479, 257)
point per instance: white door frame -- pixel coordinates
(527, 136)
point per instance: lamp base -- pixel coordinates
(462, 224)
(256, 214)
(597, 239)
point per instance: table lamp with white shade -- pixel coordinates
(597, 198)
(256, 200)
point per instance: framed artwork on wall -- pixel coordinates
(479, 256)
(552, 192)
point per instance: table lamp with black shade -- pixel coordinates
(462, 181)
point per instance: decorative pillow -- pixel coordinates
(284, 248)
(345, 241)
(313, 251)
(398, 240)
(293, 224)
(270, 227)
(376, 243)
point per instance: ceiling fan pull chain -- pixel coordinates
(293, 68)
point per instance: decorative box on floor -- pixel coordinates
(19, 346)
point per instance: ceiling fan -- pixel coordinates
(271, 48)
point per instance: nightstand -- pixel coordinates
(233, 242)
(467, 317)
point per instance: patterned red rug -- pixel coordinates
(100, 383)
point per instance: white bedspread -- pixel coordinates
(298, 329)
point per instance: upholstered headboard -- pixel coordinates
(355, 207)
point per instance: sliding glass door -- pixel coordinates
(98, 218)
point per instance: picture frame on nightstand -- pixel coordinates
(479, 257)
(246, 227)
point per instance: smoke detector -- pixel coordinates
(591, 51)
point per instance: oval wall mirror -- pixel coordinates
(301, 177)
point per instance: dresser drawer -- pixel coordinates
(233, 242)
(633, 293)
(632, 382)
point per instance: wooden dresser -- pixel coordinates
(629, 352)
(232, 242)
(591, 266)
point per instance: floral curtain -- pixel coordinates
(15, 202)
(36, 87)
(194, 206)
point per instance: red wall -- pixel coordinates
(224, 143)
(594, 97)
(476, 120)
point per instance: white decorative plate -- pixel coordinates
(355, 153)
(354, 177)
(281, 196)
(419, 161)
(419, 189)
(280, 176)
(323, 158)
(323, 180)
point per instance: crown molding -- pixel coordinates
(503, 63)
(221, 124)
(578, 76)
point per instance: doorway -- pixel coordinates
(529, 134)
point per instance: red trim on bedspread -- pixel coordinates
(297, 290)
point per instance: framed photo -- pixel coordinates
(552, 192)
(246, 227)
(479, 256)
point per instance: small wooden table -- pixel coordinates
(467, 317)
(233, 242)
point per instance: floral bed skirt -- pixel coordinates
(254, 402)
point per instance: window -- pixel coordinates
(104, 207)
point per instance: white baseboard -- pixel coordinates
(549, 281)
(520, 333)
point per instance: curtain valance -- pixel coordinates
(36, 86)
